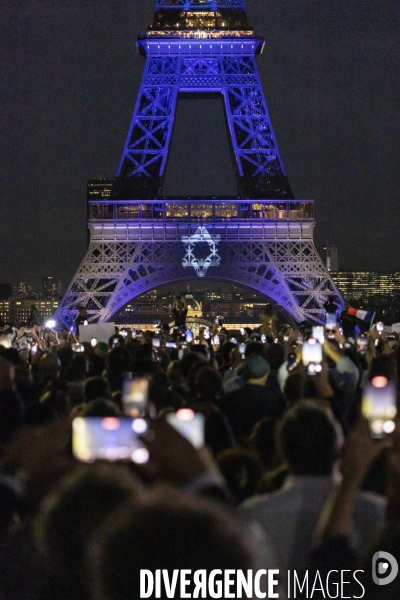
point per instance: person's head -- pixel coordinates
(255, 370)
(307, 439)
(174, 373)
(268, 310)
(226, 350)
(49, 366)
(275, 355)
(96, 387)
(208, 383)
(254, 347)
(81, 502)
(165, 530)
(82, 311)
(242, 470)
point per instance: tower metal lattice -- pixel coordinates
(139, 240)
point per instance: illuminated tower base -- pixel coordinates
(262, 239)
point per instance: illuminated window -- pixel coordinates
(201, 211)
(175, 211)
(224, 210)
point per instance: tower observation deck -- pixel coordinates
(140, 239)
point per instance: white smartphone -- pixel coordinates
(331, 322)
(312, 356)
(189, 424)
(379, 406)
(318, 333)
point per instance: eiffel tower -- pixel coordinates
(140, 239)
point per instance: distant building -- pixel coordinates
(51, 287)
(19, 308)
(330, 257)
(4, 310)
(366, 284)
(22, 289)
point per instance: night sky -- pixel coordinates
(70, 76)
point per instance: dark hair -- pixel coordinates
(166, 530)
(208, 383)
(307, 439)
(96, 387)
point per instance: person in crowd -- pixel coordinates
(308, 440)
(249, 404)
(330, 306)
(180, 310)
(285, 445)
(81, 318)
(269, 323)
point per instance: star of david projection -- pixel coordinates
(190, 260)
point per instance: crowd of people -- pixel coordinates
(289, 477)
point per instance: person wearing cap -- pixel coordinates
(249, 404)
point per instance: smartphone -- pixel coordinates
(77, 348)
(379, 406)
(312, 356)
(331, 322)
(123, 332)
(207, 333)
(318, 333)
(155, 342)
(109, 438)
(135, 393)
(291, 361)
(34, 348)
(216, 340)
(380, 327)
(93, 341)
(242, 349)
(362, 343)
(263, 338)
(171, 345)
(189, 336)
(233, 340)
(242, 331)
(189, 424)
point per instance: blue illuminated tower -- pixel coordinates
(139, 240)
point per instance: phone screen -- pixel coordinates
(379, 406)
(331, 322)
(155, 342)
(291, 361)
(135, 396)
(189, 336)
(362, 342)
(189, 424)
(318, 333)
(109, 438)
(312, 356)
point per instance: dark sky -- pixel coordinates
(70, 76)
